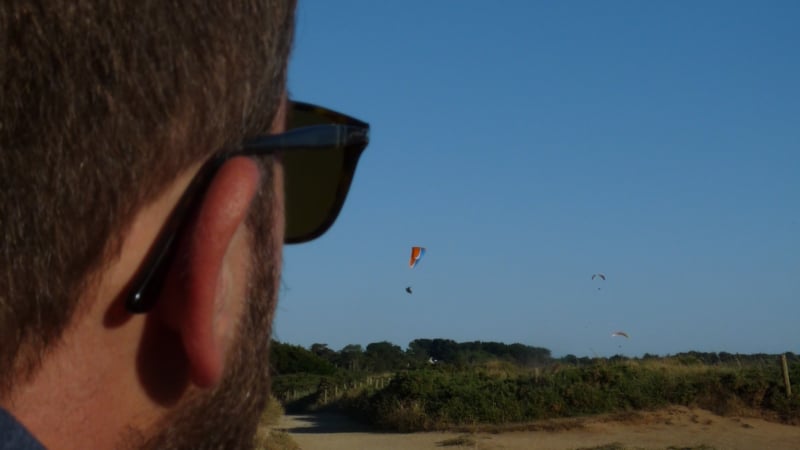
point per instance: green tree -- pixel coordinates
(418, 351)
(384, 356)
(286, 359)
(324, 352)
(351, 357)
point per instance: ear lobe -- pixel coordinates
(202, 305)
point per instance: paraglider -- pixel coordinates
(416, 255)
(601, 276)
(620, 334)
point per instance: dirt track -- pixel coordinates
(678, 427)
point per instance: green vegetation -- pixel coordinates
(384, 356)
(440, 399)
(287, 359)
(439, 384)
(308, 378)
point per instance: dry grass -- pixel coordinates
(699, 447)
(538, 425)
(618, 446)
(267, 436)
(272, 413)
(611, 446)
(460, 441)
(275, 440)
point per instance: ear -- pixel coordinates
(206, 286)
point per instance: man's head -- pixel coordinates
(107, 110)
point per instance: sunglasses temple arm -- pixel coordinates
(147, 284)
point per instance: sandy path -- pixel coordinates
(679, 427)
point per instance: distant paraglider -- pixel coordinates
(600, 276)
(620, 334)
(416, 255)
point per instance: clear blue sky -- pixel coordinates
(531, 144)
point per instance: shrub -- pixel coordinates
(428, 399)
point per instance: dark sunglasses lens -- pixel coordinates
(316, 181)
(314, 192)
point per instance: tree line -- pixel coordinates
(384, 356)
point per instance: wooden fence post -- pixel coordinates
(786, 381)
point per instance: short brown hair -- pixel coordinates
(102, 103)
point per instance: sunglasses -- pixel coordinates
(319, 153)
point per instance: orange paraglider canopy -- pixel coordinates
(416, 255)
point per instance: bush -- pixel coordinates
(432, 398)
